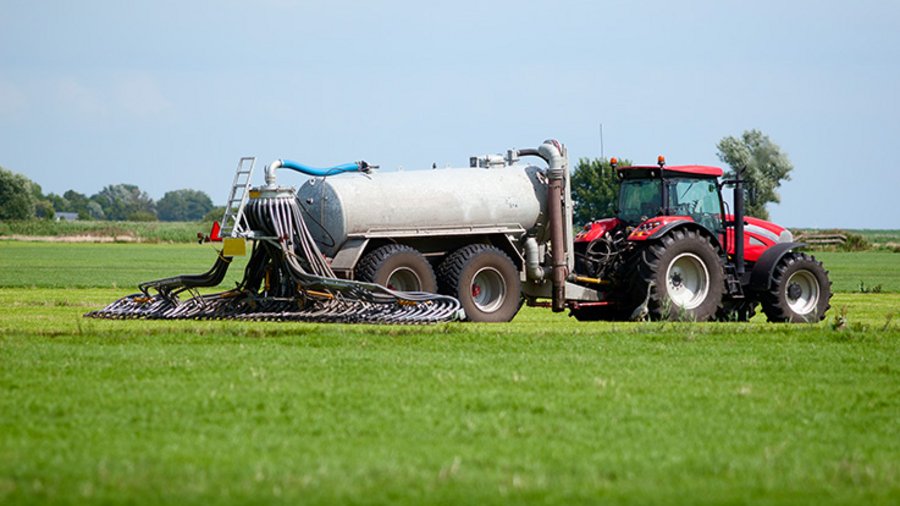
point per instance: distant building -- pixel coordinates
(65, 216)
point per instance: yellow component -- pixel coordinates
(594, 281)
(321, 295)
(254, 194)
(234, 246)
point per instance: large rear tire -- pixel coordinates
(799, 292)
(679, 277)
(485, 281)
(398, 267)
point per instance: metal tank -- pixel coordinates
(420, 202)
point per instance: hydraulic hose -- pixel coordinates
(360, 166)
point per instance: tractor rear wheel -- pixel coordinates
(485, 281)
(398, 267)
(799, 291)
(679, 277)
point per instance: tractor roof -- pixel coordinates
(687, 170)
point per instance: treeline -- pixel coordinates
(23, 199)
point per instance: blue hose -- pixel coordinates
(328, 171)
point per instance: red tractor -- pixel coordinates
(673, 252)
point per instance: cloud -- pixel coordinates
(133, 96)
(81, 99)
(140, 96)
(12, 99)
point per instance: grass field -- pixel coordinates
(542, 410)
(121, 231)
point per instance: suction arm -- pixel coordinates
(559, 216)
(360, 166)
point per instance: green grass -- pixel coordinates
(142, 231)
(879, 237)
(850, 271)
(541, 410)
(95, 265)
(88, 265)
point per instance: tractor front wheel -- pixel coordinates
(679, 277)
(799, 291)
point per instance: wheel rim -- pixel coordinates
(687, 281)
(404, 279)
(802, 292)
(488, 289)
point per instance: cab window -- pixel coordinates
(639, 199)
(697, 198)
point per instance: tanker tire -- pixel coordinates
(800, 291)
(679, 277)
(485, 281)
(398, 267)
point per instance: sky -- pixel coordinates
(170, 94)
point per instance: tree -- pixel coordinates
(215, 214)
(73, 202)
(95, 211)
(125, 202)
(81, 204)
(595, 190)
(765, 167)
(43, 206)
(183, 205)
(16, 196)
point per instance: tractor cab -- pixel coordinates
(688, 192)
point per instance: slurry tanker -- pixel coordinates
(476, 243)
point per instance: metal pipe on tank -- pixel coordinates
(270, 173)
(551, 151)
(534, 271)
(532, 152)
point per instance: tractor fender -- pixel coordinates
(765, 266)
(687, 225)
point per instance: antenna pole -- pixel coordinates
(601, 141)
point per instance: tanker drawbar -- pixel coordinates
(286, 277)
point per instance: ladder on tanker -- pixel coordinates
(232, 221)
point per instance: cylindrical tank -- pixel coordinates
(341, 205)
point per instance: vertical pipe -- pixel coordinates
(553, 152)
(557, 243)
(739, 224)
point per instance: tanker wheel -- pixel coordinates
(679, 277)
(800, 291)
(485, 281)
(398, 267)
